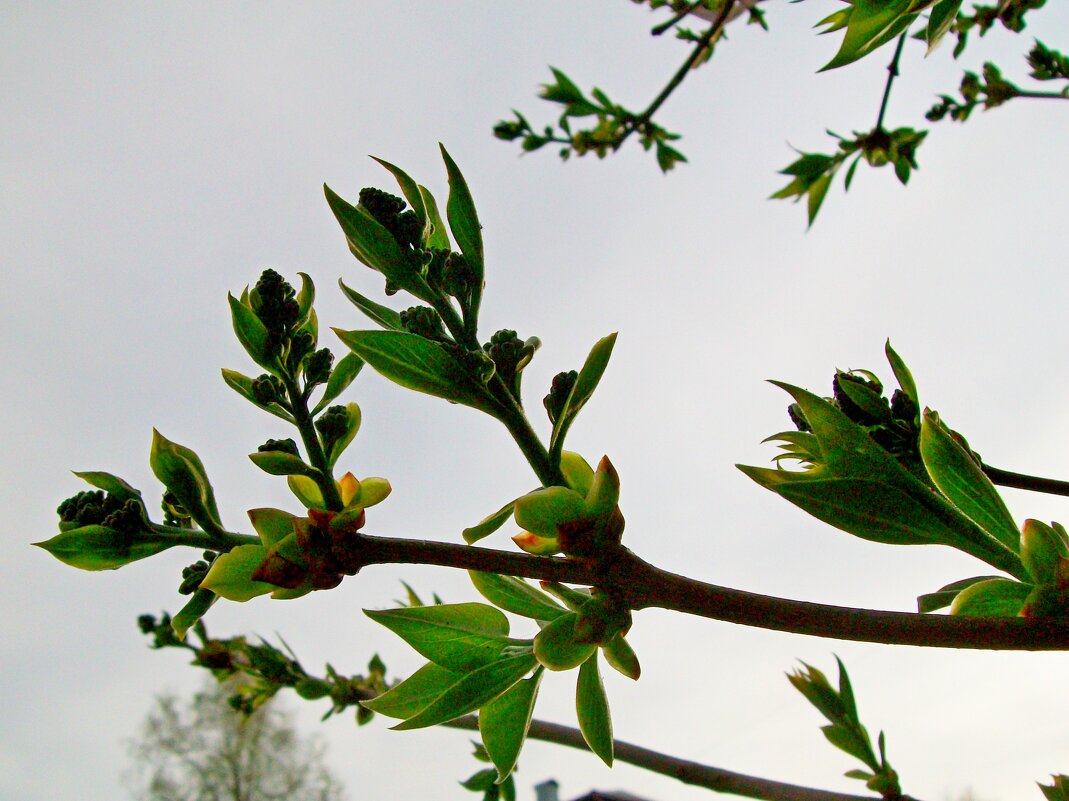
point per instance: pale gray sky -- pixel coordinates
(156, 156)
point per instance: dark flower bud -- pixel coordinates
(423, 321)
(317, 368)
(381, 205)
(147, 623)
(794, 411)
(267, 389)
(332, 425)
(276, 304)
(407, 230)
(129, 517)
(559, 390)
(509, 130)
(282, 445)
(903, 407)
(860, 399)
(457, 276)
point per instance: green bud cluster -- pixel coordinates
(275, 303)
(332, 425)
(510, 355)
(174, 514)
(94, 507)
(268, 389)
(193, 575)
(423, 321)
(281, 445)
(318, 366)
(559, 390)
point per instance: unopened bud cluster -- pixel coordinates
(193, 575)
(559, 390)
(94, 507)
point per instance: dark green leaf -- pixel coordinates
(340, 378)
(817, 190)
(472, 691)
(352, 425)
(960, 479)
(460, 637)
(181, 471)
(871, 24)
(902, 373)
(592, 708)
(488, 525)
(503, 723)
(419, 364)
(438, 238)
(252, 335)
(414, 694)
(100, 548)
(940, 20)
(1041, 551)
(480, 782)
(622, 657)
(516, 595)
(409, 188)
(464, 223)
(585, 384)
(382, 315)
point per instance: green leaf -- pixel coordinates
(541, 511)
(940, 20)
(414, 694)
(871, 24)
(516, 595)
(252, 334)
(464, 223)
(855, 485)
(305, 299)
(961, 480)
(460, 637)
(622, 657)
(592, 708)
(195, 608)
(902, 373)
(585, 384)
(409, 188)
(101, 548)
(555, 645)
(853, 741)
(438, 239)
(489, 524)
(352, 425)
(1041, 550)
(944, 596)
(230, 575)
(279, 463)
(481, 781)
(341, 377)
(113, 485)
(374, 246)
(577, 472)
(993, 598)
(242, 385)
(271, 524)
(817, 191)
(419, 364)
(383, 315)
(472, 691)
(307, 491)
(503, 723)
(181, 471)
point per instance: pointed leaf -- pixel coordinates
(271, 524)
(585, 384)
(438, 238)
(414, 694)
(463, 221)
(419, 364)
(902, 373)
(993, 598)
(101, 548)
(962, 481)
(592, 708)
(872, 23)
(516, 595)
(622, 657)
(279, 463)
(459, 637)
(113, 485)
(230, 575)
(340, 378)
(472, 691)
(555, 645)
(489, 524)
(252, 334)
(196, 607)
(352, 425)
(307, 491)
(940, 20)
(503, 723)
(383, 315)
(182, 472)
(944, 596)
(409, 188)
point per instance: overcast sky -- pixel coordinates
(156, 156)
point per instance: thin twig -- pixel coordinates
(892, 73)
(694, 773)
(1021, 481)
